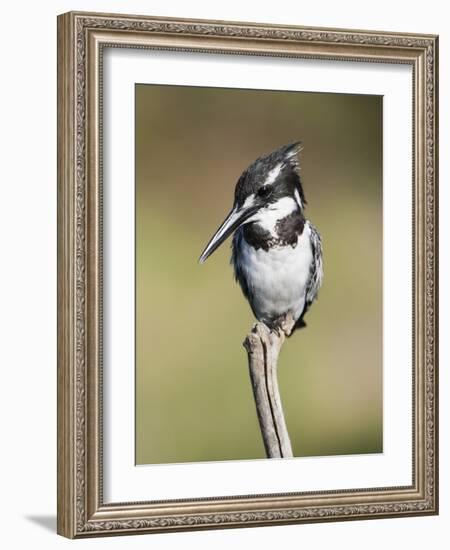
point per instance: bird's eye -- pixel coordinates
(264, 191)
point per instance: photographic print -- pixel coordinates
(300, 177)
(247, 274)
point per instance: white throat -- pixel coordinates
(268, 216)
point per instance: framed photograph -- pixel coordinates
(225, 183)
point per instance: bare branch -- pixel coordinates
(263, 348)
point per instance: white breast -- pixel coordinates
(277, 278)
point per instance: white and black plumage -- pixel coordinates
(276, 251)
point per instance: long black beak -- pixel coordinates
(234, 219)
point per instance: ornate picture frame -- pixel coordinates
(82, 39)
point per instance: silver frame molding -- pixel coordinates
(81, 39)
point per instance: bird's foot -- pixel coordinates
(276, 329)
(283, 325)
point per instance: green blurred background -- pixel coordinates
(193, 396)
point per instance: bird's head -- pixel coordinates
(270, 186)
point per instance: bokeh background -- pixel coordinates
(193, 395)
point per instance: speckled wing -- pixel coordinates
(316, 270)
(238, 271)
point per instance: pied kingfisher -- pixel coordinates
(276, 251)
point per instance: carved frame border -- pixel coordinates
(81, 37)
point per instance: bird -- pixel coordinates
(276, 251)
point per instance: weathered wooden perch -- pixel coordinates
(263, 348)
